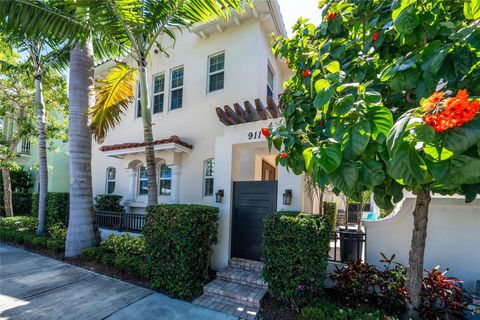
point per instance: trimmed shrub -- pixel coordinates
(20, 223)
(58, 206)
(125, 252)
(108, 202)
(21, 201)
(179, 241)
(296, 247)
(57, 237)
(330, 213)
(322, 310)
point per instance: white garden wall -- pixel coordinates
(453, 237)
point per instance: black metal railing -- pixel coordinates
(347, 245)
(120, 221)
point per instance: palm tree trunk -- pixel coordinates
(42, 150)
(148, 138)
(7, 192)
(417, 252)
(82, 231)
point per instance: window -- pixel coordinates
(165, 180)
(139, 102)
(110, 185)
(142, 181)
(209, 170)
(158, 92)
(216, 72)
(176, 89)
(270, 77)
(25, 146)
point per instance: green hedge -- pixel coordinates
(296, 247)
(22, 203)
(179, 241)
(108, 202)
(58, 206)
(124, 252)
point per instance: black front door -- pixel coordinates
(252, 201)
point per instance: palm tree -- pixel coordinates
(138, 25)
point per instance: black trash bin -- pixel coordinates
(351, 245)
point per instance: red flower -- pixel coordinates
(283, 155)
(330, 16)
(266, 132)
(375, 37)
(443, 114)
(286, 62)
(306, 73)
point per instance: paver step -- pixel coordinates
(242, 276)
(235, 292)
(223, 305)
(246, 264)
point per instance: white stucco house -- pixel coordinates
(209, 103)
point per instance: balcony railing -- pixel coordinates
(347, 245)
(120, 221)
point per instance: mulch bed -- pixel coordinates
(273, 309)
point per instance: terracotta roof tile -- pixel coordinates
(129, 145)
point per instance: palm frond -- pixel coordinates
(38, 18)
(114, 94)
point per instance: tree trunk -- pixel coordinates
(148, 137)
(82, 231)
(417, 251)
(7, 192)
(42, 150)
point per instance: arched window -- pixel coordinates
(142, 181)
(165, 180)
(110, 183)
(208, 172)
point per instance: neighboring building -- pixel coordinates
(57, 160)
(201, 149)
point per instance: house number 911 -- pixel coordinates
(254, 135)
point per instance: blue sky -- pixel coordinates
(292, 9)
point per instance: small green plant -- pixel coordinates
(323, 310)
(57, 236)
(296, 249)
(108, 202)
(20, 223)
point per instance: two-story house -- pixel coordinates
(210, 97)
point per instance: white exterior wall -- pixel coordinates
(453, 237)
(196, 123)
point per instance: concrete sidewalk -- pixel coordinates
(37, 287)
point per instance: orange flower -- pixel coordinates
(283, 155)
(443, 114)
(266, 132)
(375, 37)
(330, 16)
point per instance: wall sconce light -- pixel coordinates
(287, 197)
(219, 196)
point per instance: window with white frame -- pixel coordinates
(25, 146)
(165, 180)
(176, 88)
(138, 112)
(142, 181)
(110, 184)
(208, 172)
(158, 92)
(216, 72)
(270, 81)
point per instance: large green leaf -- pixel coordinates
(424, 133)
(345, 177)
(381, 121)
(355, 139)
(343, 105)
(471, 9)
(463, 170)
(329, 157)
(325, 92)
(408, 167)
(407, 20)
(307, 157)
(371, 173)
(459, 139)
(395, 137)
